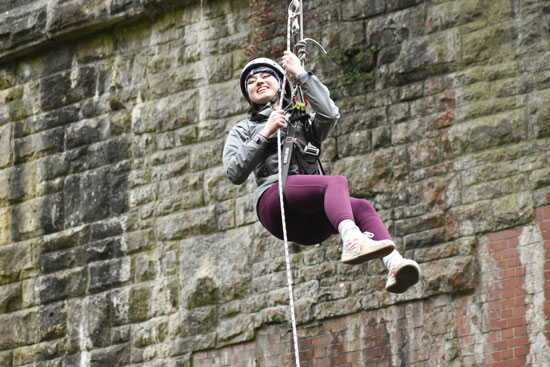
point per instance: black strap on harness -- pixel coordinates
(298, 115)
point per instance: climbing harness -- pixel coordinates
(285, 153)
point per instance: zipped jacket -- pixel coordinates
(247, 151)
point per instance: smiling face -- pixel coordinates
(262, 87)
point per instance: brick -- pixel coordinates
(520, 331)
(497, 246)
(521, 351)
(507, 333)
(518, 341)
(507, 354)
(510, 253)
(507, 234)
(500, 345)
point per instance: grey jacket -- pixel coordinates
(246, 150)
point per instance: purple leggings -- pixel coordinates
(314, 208)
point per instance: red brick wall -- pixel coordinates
(495, 326)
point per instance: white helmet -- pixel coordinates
(263, 62)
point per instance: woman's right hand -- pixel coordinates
(275, 121)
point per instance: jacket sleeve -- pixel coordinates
(326, 112)
(241, 154)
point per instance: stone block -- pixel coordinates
(18, 261)
(167, 113)
(151, 332)
(47, 120)
(539, 113)
(139, 302)
(5, 226)
(95, 48)
(381, 137)
(466, 220)
(355, 9)
(66, 239)
(354, 144)
(53, 322)
(98, 323)
(40, 144)
(52, 167)
(62, 285)
(69, 15)
(22, 28)
(218, 188)
(367, 174)
(61, 260)
(37, 216)
(106, 229)
(426, 152)
(214, 105)
(104, 275)
(140, 241)
(236, 329)
(18, 329)
(485, 133)
(512, 209)
(219, 68)
(399, 112)
(244, 209)
(487, 42)
(112, 356)
(146, 266)
(94, 195)
(428, 237)
(6, 145)
(66, 87)
(11, 298)
(73, 360)
(412, 130)
(28, 293)
(6, 358)
(86, 132)
(7, 75)
(102, 250)
(191, 221)
(423, 57)
(456, 274)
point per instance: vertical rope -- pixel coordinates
(281, 200)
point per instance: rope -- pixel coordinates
(291, 18)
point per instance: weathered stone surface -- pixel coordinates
(19, 329)
(56, 287)
(18, 261)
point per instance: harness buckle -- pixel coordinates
(311, 149)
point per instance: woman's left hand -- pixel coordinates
(292, 64)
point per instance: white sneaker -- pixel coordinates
(403, 274)
(359, 250)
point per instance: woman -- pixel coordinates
(316, 206)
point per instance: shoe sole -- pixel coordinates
(375, 252)
(405, 278)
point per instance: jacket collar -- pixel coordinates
(263, 113)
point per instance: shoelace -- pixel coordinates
(354, 244)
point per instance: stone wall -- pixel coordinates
(123, 244)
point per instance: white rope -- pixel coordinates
(291, 17)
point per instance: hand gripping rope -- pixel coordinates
(294, 10)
